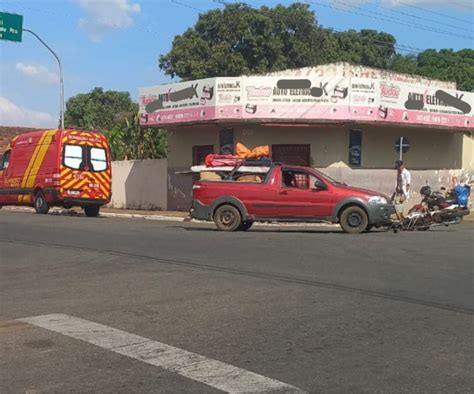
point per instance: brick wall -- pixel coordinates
(7, 133)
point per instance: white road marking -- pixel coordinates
(213, 373)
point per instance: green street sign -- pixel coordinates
(11, 27)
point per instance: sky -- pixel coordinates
(115, 44)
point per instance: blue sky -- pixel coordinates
(116, 43)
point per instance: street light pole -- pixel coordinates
(61, 79)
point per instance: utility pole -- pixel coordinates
(61, 79)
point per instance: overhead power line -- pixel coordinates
(385, 18)
(435, 13)
(426, 19)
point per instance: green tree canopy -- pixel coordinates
(99, 110)
(240, 40)
(116, 115)
(129, 141)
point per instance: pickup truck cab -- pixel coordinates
(288, 194)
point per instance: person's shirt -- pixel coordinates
(403, 182)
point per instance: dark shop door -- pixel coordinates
(292, 154)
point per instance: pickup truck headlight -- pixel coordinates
(377, 200)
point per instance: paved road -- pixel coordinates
(316, 310)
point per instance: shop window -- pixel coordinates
(200, 152)
(355, 147)
(292, 154)
(226, 141)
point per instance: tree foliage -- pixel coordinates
(446, 65)
(241, 40)
(129, 141)
(116, 115)
(99, 110)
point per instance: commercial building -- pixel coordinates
(345, 119)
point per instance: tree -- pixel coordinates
(116, 115)
(366, 47)
(448, 65)
(129, 141)
(404, 64)
(240, 40)
(99, 110)
(445, 64)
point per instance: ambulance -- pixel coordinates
(57, 167)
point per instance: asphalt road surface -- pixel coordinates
(125, 305)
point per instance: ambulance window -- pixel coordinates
(98, 159)
(73, 156)
(5, 161)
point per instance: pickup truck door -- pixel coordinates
(303, 195)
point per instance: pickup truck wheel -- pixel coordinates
(41, 206)
(227, 218)
(354, 220)
(245, 226)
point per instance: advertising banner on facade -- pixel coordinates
(315, 98)
(408, 103)
(278, 97)
(363, 98)
(178, 102)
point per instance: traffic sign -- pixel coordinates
(404, 143)
(11, 26)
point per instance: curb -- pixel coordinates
(63, 212)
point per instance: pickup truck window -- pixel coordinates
(299, 179)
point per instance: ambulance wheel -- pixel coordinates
(92, 210)
(41, 206)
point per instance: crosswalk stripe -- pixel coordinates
(193, 366)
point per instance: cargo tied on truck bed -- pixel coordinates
(236, 197)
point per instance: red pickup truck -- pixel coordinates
(288, 194)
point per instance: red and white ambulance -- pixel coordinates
(57, 168)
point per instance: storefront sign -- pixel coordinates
(278, 97)
(310, 97)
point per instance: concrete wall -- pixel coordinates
(329, 143)
(429, 149)
(468, 152)
(139, 184)
(384, 181)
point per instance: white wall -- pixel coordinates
(139, 184)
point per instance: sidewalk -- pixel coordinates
(172, 216)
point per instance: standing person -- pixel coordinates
(402, 189)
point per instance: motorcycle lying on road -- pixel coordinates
(436, 209)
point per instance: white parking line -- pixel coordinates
(214, 373)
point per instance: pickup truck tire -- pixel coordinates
(245, 226)
(227, 218)
(354, 220)
(41, 206)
